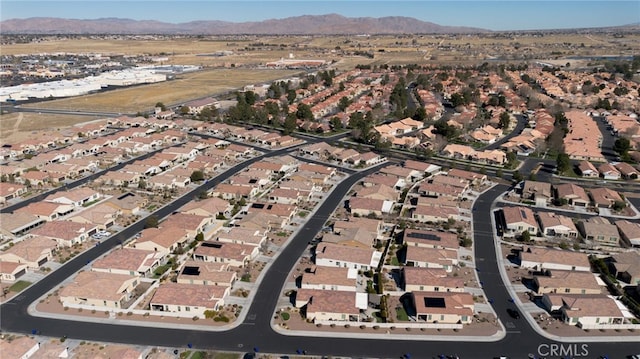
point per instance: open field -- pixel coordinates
(184, 88)
(16, 127)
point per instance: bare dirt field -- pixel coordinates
(186, 87)
(16, 127)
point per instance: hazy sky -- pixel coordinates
(493, 15)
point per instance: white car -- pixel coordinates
(104, 234)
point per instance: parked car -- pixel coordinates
(513, 313)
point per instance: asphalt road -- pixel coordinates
(521, 121)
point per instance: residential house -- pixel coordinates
(629, 232)
(379, 192)
(626, 170)
(128, 203)
(66, 233)
(368, 206)
(233, 254)
(11, 271)
(573, 195)
(443, 307)
(128, 261)
(190, 299)
(9, 191)
(604, 197)
(468, 176)
(417, 279)
(600, 231)
(335, 255)
(556, 225)
(520, 219)
(547, 258)
(78, 197)
(165, 240)
(103, 216)
(434, 214)
(192, 223)
(626, 267)
(18, 223)
(567, 282)
(609, 172)
(373, 226)
(47, 211)
(251, 237)
(206, 273)
(330, 278)
(539, 192)
(431, 257)
(331, 305)
(33, 252)
(430, 239)
(586, 311)
(99, 289)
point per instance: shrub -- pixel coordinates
(285, 316)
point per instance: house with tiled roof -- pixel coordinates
(539, 192)
(9, 191)
(600, 231)
(556, 225)
(547, 258)
(519, 219)
(241, 235)
(430, 239)
(609, 171)
(567, 282)
(331, 305)
(66, 233)
(429, 280)
(164, 241)
(192, 223)
(629, 232)
(128, 203)
(128, 261)
(587, 311)
(425, 257)
(32, 252)
(206, 273)
(626, 170)
(573, 194)
(10, 271)
(336, 255)
(47, 211)
(76, 197)
(233, 254)
(330, 278)
(604, 197)
(18, 223)
(443, 307)
(102, 216)
(99, 289)
(367, 206)
(190, 299)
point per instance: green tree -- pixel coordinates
(563, 163)
(526, 236)
(290, 124)
(197, 176)
(161, 106)
(622, 146)
(291, 96)
(344, 103)
(335, 123)
(151, 222)
(517, 176)
(505, 119)
(304, 112)
(184, 110)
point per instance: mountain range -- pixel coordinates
(330, 24)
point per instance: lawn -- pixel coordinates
(401, 314)
(19, 286)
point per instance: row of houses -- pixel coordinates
(597, 230)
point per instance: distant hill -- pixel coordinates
(303, 25)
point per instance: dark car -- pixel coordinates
(513, 313)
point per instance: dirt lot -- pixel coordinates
(183, 88)
(16, 127)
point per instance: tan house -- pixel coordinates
(431, 258)
(32, 252)
(190, 299)
(417, 279)
(128, 261)
(556, 225)
(165, 240)
(209, 207)
(539, 192)
(331, 305)
(336, 255)
(629, 232)
(99, 289)
(520, 219)
(9, 191)
(102, 216)
(572, 194)
(443, 307)
(627, 267)
(600, 231)
(10, 271)
(430, 239)
(567, 282)
(546, 258)
(206, 273)
(18, 223)
(330, 278)
(233, 254)
(66, 233)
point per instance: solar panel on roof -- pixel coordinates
(211, 244)
(434, 302)
(189, 270)
(523, 213)
(420, 235)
